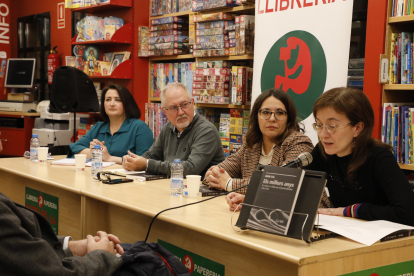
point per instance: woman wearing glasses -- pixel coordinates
(364, 179)
(274, 137)
(121, 129)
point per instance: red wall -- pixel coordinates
(5, 20)
(58, 37)
(374, 47)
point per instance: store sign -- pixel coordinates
(61, 15)
(398, 269)
(44, 204)
(196, 264)
(302, 47)
(4, 23)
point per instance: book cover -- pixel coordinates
(145, 176)
(308, 199)
(388, 131)
(405, 39)
(398, 235)
(207, 191)
(275, 200)
(392, 58)
(394, 132)
(410, 136)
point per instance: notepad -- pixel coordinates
(71, 162)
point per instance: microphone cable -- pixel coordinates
(177, 207)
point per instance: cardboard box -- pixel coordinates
(20, 97)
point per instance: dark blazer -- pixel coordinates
(28, 246)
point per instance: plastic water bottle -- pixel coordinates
(34, 144)
(96, 165)
(176, 186)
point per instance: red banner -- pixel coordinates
(4, 42)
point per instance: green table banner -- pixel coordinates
(398, 269)
(44, 204)
(196, 264)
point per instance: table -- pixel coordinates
(127, 209)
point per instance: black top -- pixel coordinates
(381, 187)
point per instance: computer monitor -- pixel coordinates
(20, 72)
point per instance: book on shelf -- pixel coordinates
(207, 191)
(397, 130)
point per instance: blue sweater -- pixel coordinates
(134, 135)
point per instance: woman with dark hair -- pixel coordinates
(121, 129)
(363, 177)
(274, 137)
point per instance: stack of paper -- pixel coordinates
(71, 162)
(365, 232)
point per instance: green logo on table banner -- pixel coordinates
(44, 204)
(296, 63)
(196, 264)
(398, 269)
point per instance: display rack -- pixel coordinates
(122, 36)
(245, 9)
(121, 40)
(109, 6)
(396, 93)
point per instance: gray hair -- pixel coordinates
(172, 85)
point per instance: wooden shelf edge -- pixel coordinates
(406, 166)
(242, 57)
(154, 99)
(220, 9)
(398, 86)
(400, 19)
(190, 56)
(229, 9)
(171, 14)
(113, 4)
(223, 106)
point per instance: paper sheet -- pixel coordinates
(124, 172)
(71, 162)
(365, 232)
(104, 164)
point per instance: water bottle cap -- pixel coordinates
(177, 160)
(97, 147)
(34, 135)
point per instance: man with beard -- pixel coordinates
(187, 136)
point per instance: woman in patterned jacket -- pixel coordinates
(274, 137)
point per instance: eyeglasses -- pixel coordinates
(279, 114)
(330, 128)
(174, 109)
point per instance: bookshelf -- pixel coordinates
(244, 9)
(121, 40)
(396, 93)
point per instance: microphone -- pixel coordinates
(303, 159)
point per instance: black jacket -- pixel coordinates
(150, 259)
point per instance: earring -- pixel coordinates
(353, 142)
